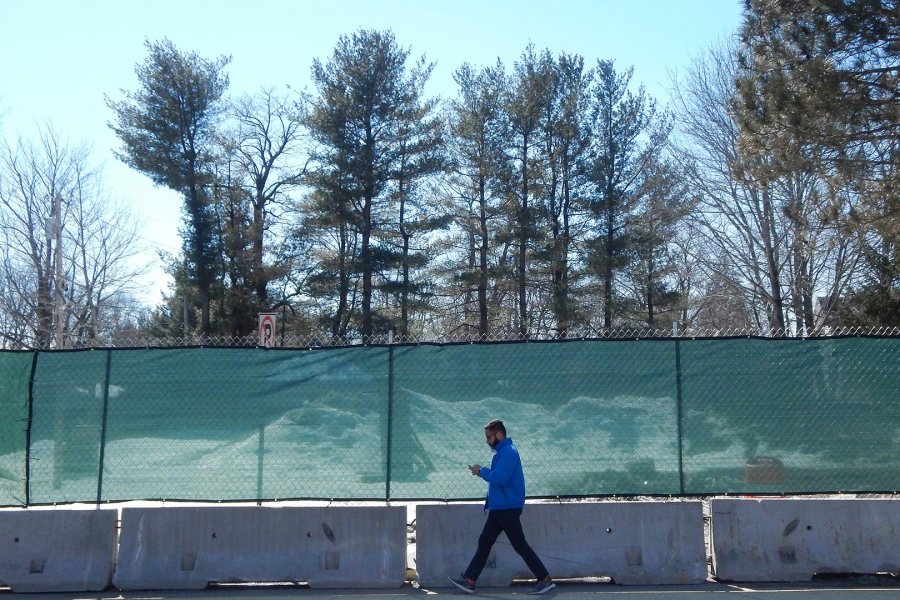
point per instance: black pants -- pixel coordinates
(506, 521)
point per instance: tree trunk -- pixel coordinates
(404, 286)
(523, 242)
(650, 304)
(482, 262)
(365, 257)
(561, 258)
(261, 283)
(338, 320)
(777, 325)
(200, 239)
(608, 271)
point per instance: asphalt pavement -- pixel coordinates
(864, 588)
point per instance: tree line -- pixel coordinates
(552, 197)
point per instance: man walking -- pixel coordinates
(505, 500)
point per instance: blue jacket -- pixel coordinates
(506, 481)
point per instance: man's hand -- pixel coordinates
(476, 469)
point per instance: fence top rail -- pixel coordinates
(390, 338)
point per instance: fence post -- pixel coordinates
(34, 359)
(390, 422)
(678, 403)
(103, 426)
(261, 448)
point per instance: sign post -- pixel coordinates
(267, 330)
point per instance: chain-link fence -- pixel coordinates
(631, 416)
(131, 340)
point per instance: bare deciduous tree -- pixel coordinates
(781, 240)
(67, 252)
(266, 144)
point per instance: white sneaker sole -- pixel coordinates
(542, 590)
(460, 586)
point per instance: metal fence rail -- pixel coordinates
(318, 341)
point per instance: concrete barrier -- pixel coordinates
(631, 542)
(47, 550)
(793, 539)
(190, 547)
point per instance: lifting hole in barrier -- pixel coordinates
(37, 565)
(188, 561)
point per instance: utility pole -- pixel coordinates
(46, 321)
(59, 305)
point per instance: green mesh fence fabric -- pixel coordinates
(594, 417)
(67, 410)
(791, 415)
(588, 418)
(15, 372)
(210, 424)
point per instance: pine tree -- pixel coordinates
(523, 106)
(625, 139)
(361, 118)
(419, 156)
(477, 133)
(820, 93)
(564, 147)
(166, 128)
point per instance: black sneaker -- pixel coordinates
(542, 587)
(463, 583)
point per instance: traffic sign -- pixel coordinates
(267, 330)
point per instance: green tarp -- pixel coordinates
(591, 417)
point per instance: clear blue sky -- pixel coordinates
(59, 57)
